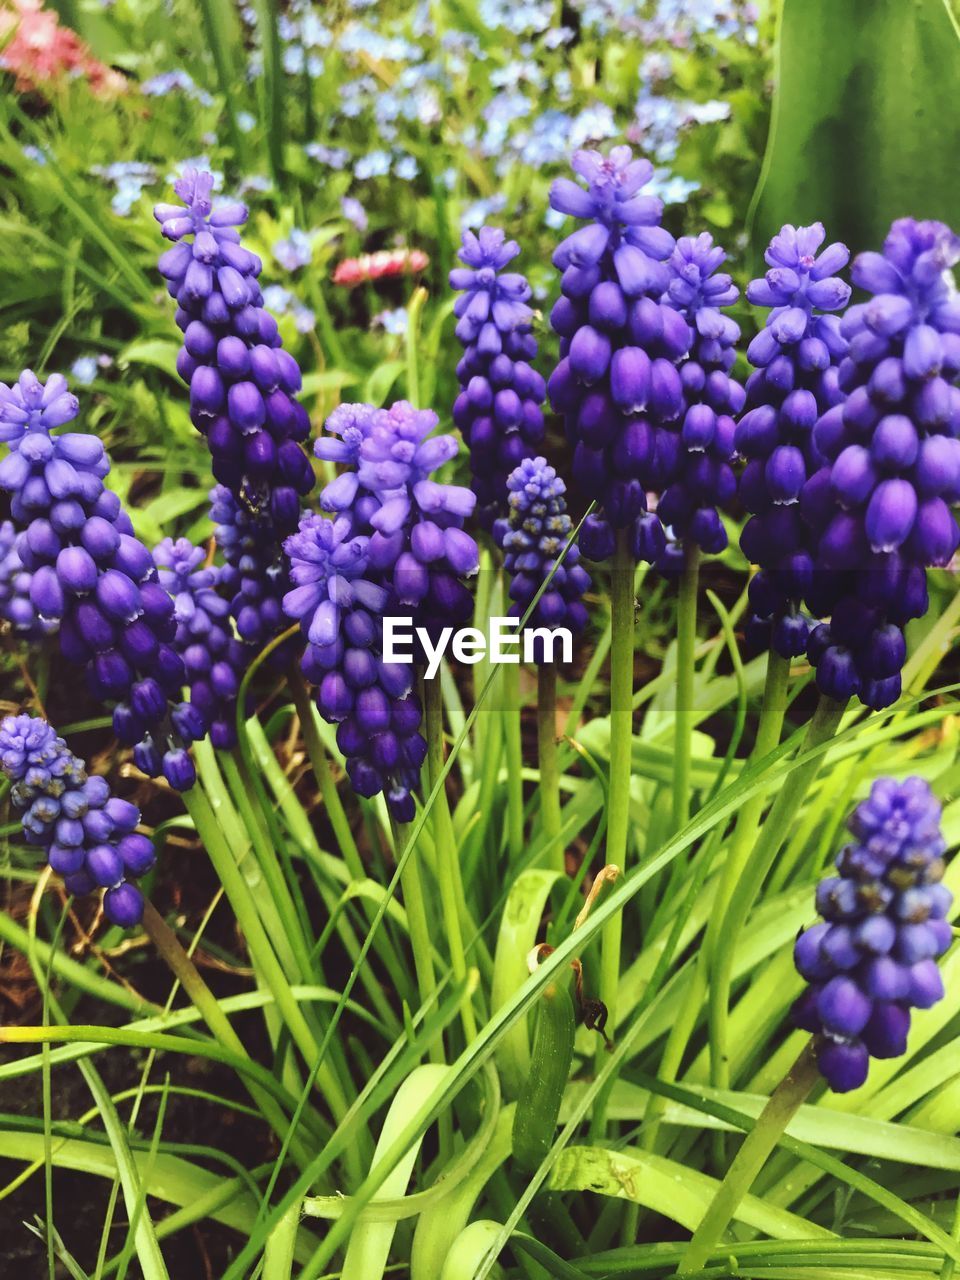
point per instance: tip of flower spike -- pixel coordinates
(195, 188)
(488, 247)
(25, 740)
(31, 405)
(196, 211)
(176, 559)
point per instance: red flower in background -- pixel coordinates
(379, 266)
(38, 51)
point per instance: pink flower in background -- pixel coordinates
(379, 266)
(38, 51)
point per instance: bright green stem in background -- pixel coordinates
(417, 926)
(206, 1003)
(261, 951)
(621, 744)
(683, 719)
(448, 864)
(784, 1103)
(549, 788)
(513, 746)
(773, 833)
(414, 312)
(321, 771)
(769, 729)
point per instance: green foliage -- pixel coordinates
(859, 135)
(292, 1093)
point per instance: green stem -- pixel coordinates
(207, 1005)
(783, 1105)
(448, 865)
(261, 951)
(328, 330)
(769, 729)
(773, 833)
(414, 309)
(321, 771)
(513, 745)
(547, 751)
(683, 720)
(291, 948)
(621, 745)
(419, 930)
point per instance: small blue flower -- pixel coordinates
(392, 322)
(84, 370)
(354, 212)
(375, 164)
(295, 251)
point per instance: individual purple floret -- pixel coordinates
(885, 924)
(242, 383)
(418, 548)
(617, 384)
(693, 459)
(90, 574)
(16, 607)
(214, 659)
(89, 835)
(340, 611)
(533, 536)
(795, 356)
(499, 408)
(883, 500)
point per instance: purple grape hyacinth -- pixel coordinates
(213, 658)
(884, 925)
(695, 474)
(89, 835)
(242, 383)
(795, 381)
(340, 611)
(16, 607)
(418, 547)
(253, 576)
(617, 384)
(532, 537)
(395, 546)
(499, 408)
(93, 576)
(883, 499)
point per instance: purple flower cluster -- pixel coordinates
(694, 458)
(533, 536)
(395, 545)
(795, 381)
(90, 574)
(418, 548)
(499, 408)
(874, 956)
(253, 577)
(89, 835)
(213, 658)
(16, 607)
(882, 501)
(340, 611)
(617, 384)
(242, 382)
